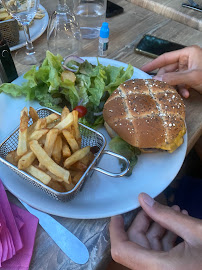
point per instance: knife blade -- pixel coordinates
(66, 241)
(192, 7)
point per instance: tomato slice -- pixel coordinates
(81, 110)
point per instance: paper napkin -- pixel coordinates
(17, 235)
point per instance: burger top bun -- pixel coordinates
(147, 114)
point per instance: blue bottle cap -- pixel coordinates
(104, 31)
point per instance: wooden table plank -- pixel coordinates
(173, 10)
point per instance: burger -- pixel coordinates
(147, 114)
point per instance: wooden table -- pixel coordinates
(174, 10)
(125, 31)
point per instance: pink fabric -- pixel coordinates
(9, 219)
(17, 235)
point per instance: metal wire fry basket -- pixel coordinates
(89, 137)
(10, 31)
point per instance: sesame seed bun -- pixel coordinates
(148, 114)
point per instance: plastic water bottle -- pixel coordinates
(103, 40)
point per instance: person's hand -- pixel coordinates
(150, 246)
(182, 68)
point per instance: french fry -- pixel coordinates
(77, 177)
(37, 173)
(42, 140)
(33, 114)
(49, 149)
(78, 166)
(76, 127)
(26, 160)
(24, 110)
(68, 187)
(3, 16)
(57, 186)
(51, 118)
(64, 113)
(57, 150)
(71, 140)
(8, 17)
(88, 159)
(53, 124)
(78, 155)
(50, 141)
(39, 16)
(66, 122)
(22, 139)
(46, 161)
(53, 177)
(30, 129)
(40, 123)
(37, 134)
(11, 157)
(72, 173)
(2, 10)
(66, 152)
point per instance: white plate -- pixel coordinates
(37, 28)
(101, 196)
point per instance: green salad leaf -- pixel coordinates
(92, 87)
(130, 152)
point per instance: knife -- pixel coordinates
(66, 241)
(192, 7)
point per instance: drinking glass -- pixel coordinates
(90, 14)
(63, 33)
(24, 11)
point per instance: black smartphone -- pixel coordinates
(113, 9)
(153, 46)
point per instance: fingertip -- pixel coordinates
(184, 93)
(140, 197)
(144, 198)
(185, 212)
(144, 68)
(176, 208)
(158, 77)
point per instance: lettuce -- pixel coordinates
(91, 89)
(130, 152)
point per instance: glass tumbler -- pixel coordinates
(90, 14)
(63, 33)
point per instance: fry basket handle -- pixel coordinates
(125, 160)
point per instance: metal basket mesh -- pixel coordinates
(89, 137)
(10, 31)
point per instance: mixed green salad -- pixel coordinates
(79, 84)
(92, 86)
